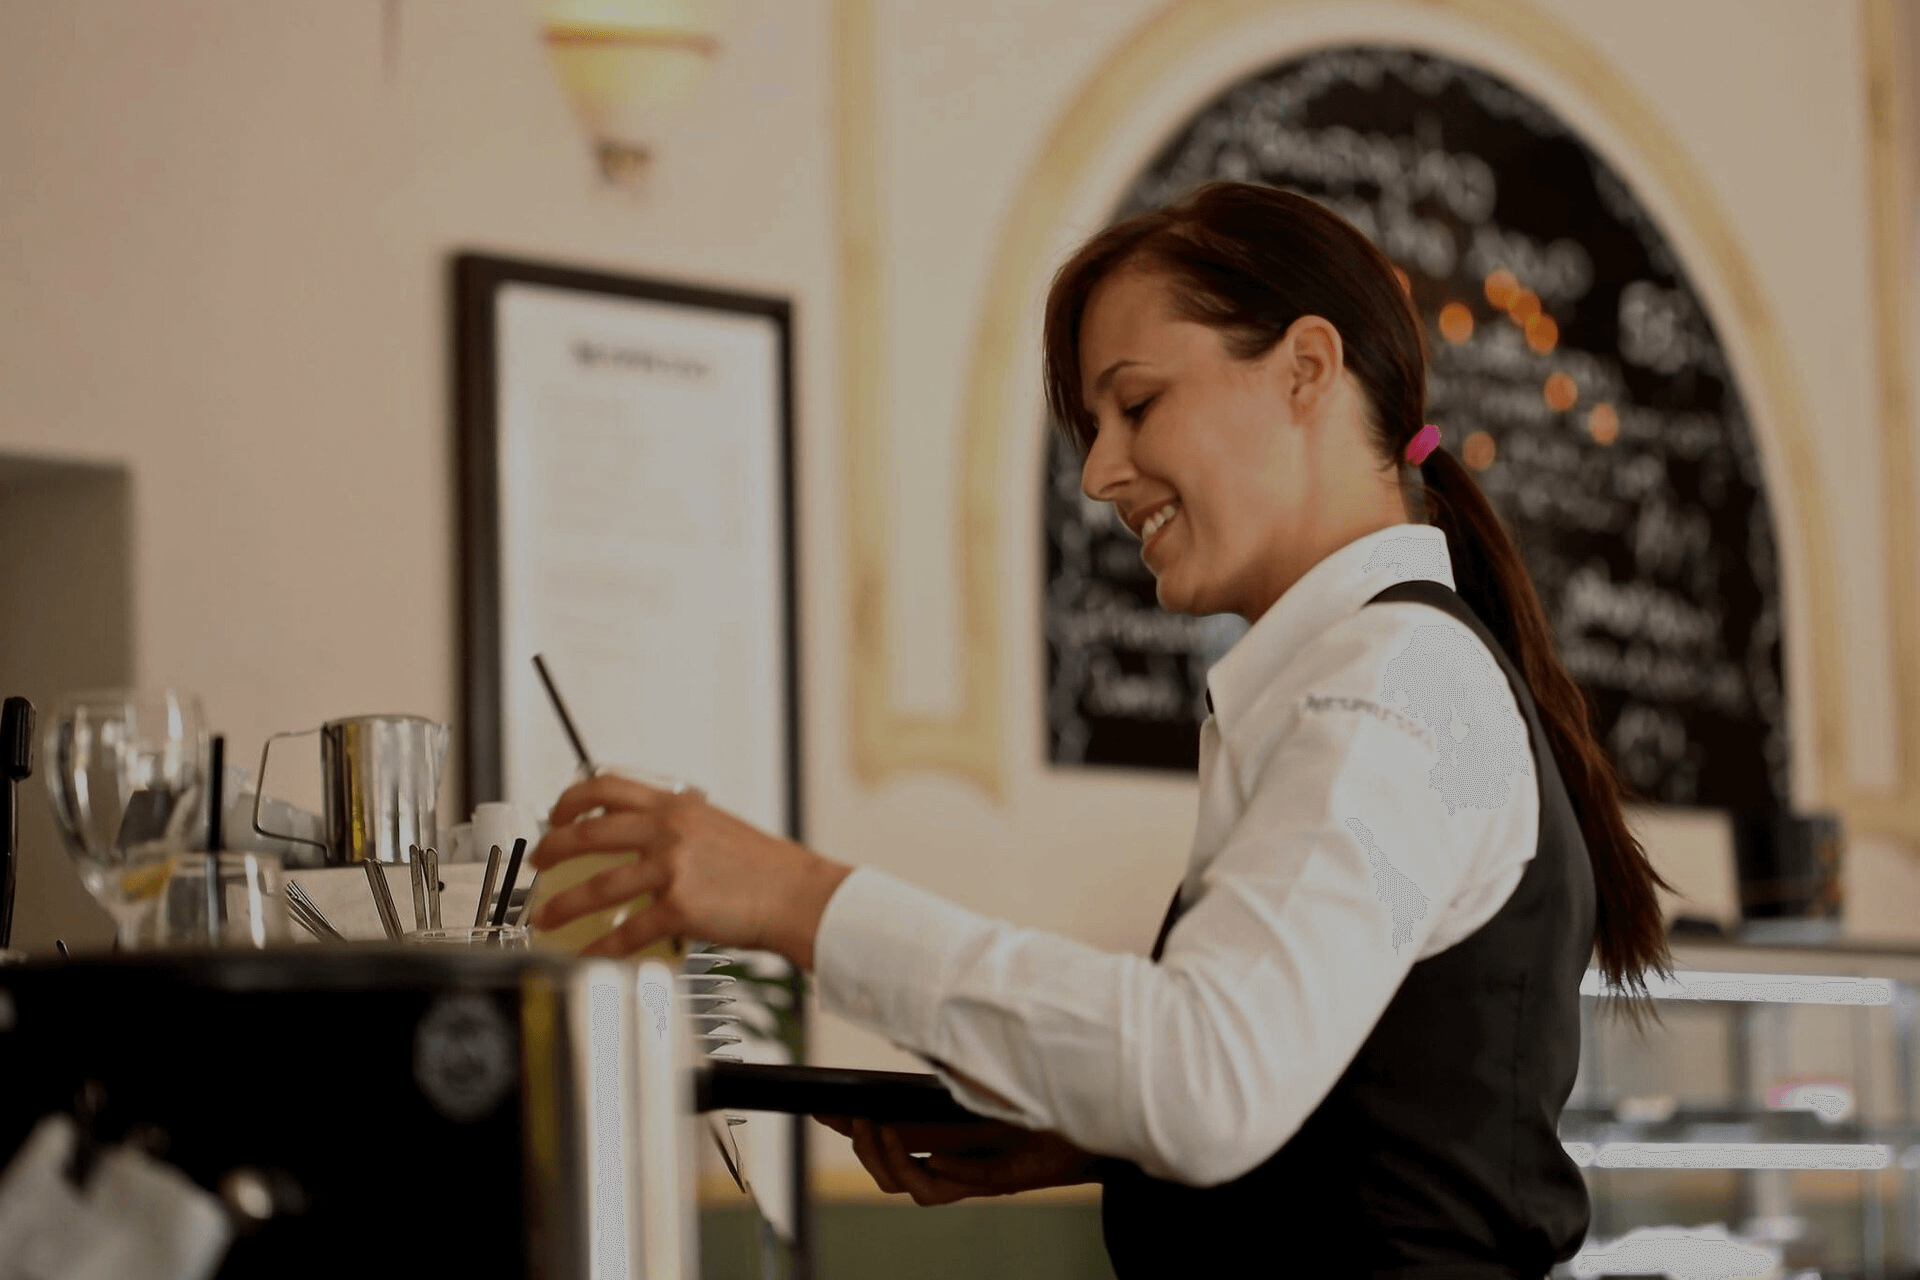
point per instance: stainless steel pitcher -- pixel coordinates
(380, 786)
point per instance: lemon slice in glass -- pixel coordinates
(146, 880)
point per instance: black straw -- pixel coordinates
(506, 885)
(16, 764)
(215, 786)
(216, 901)
(560, 709)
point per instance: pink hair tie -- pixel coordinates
(1423, 444)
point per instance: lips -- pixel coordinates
(1151, 527)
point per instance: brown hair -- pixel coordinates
(1250, 260)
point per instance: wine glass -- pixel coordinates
(124, 767)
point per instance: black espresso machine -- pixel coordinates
(379, 1110)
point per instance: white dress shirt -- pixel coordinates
(1367, 800)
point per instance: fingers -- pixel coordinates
(610, 888)
(885, 1153)
(866, 1145)
(607, 791)
(839, 1124)
(638, 933)
(617, 831)
(974, 1171)
(920, 1182)
(978, 1138)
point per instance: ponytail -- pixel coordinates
(1490, 576)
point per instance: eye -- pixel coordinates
(1137, 410)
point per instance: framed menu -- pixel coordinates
(626, 457)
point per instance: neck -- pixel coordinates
(1343, 524)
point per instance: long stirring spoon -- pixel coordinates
(298, 899)
(486, 887)
(417, 869)
(383, 899)
(433, 887)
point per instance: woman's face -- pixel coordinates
(1203, 456)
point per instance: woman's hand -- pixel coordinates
(712, 876)
(963, 1160)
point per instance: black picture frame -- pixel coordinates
(476, 281)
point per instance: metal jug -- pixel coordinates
(380, 786)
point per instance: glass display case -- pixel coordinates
(1761, 1124)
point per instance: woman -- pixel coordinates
(1360, 1022)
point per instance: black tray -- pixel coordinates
(899, 1096)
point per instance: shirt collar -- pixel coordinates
(1337, 586)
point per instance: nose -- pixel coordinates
(1108, 467)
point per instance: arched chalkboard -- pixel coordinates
(1608, 431)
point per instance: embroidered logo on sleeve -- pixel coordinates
(1367, 707)
(1411, 558)
(1448, 681)
(1400, 894)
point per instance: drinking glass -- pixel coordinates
(248, 906)
(124, 767)
(577, 935)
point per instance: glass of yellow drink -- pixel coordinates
(577, 935)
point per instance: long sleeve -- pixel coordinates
(1307, 919)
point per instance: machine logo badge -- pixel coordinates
(463, 1057)
(654, 996)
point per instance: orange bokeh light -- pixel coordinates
(1478, 451)
(1603, 424)
(1561, 391)
(1456, 322)
(1524, 307)
(1502, 288)
(1543, 335)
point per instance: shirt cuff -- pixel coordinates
(882, 953)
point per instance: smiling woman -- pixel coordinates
(1247, 308)
(1385, 869)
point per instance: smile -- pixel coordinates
(1156, 522)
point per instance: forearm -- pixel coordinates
(1114, 1053)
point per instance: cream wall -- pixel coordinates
(223, 228)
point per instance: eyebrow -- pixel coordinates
(1106, 377)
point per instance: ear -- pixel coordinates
(1312, 364)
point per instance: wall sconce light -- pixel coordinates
(622, 62)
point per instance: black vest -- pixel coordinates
(1436, 1156)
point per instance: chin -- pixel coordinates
(1173, 598)
(1178, 597)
